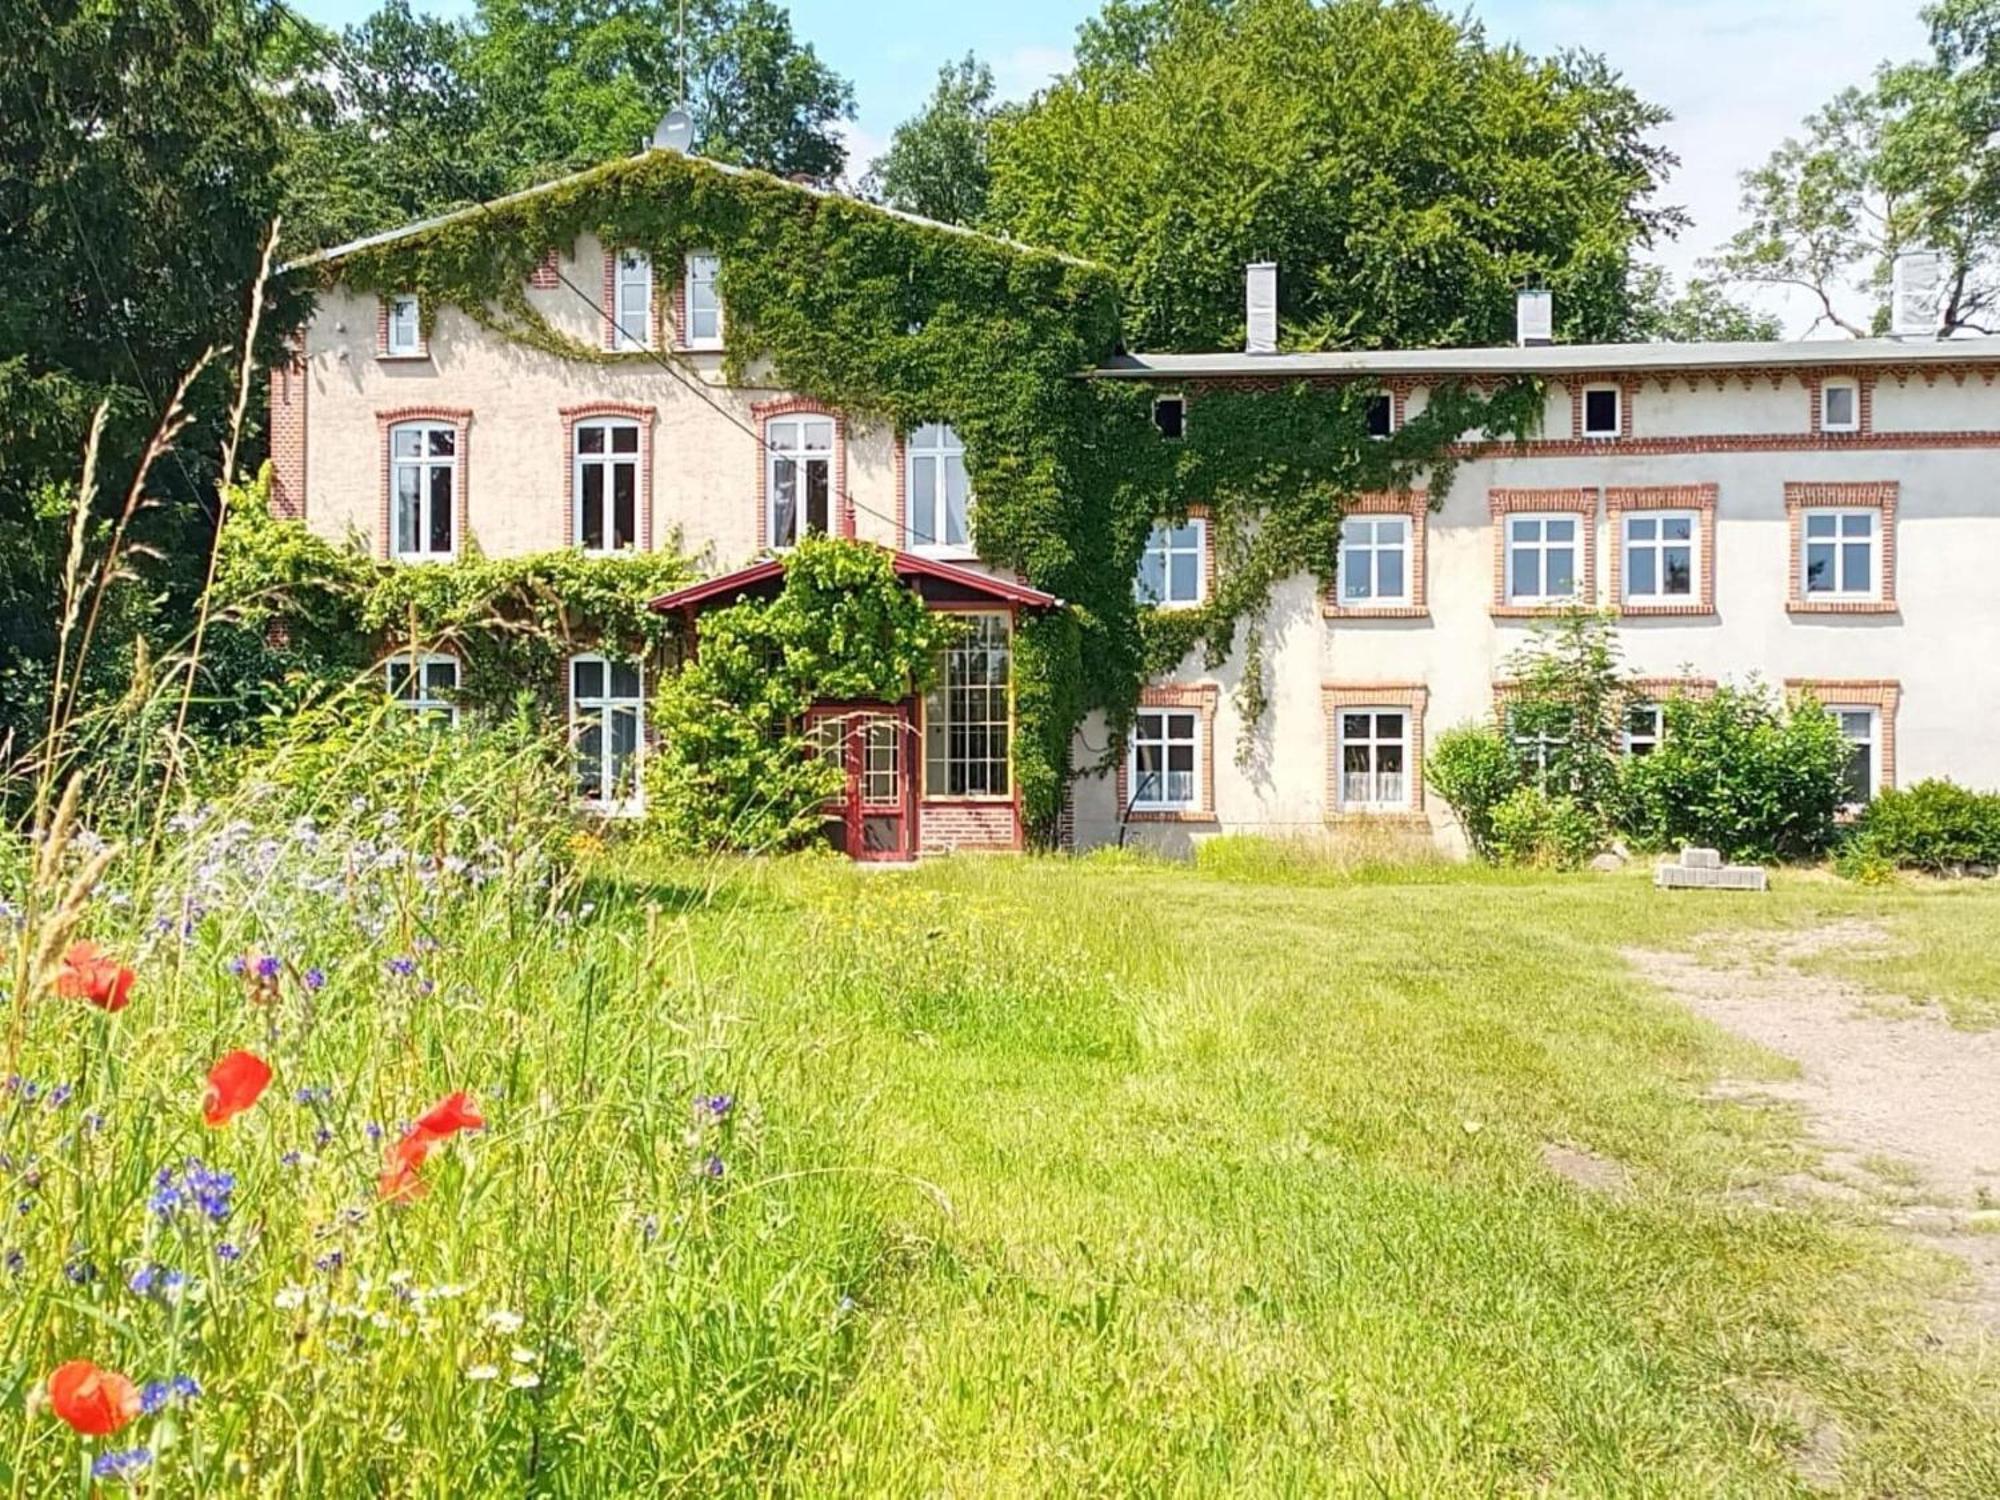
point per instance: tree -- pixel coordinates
(1406, 175)
(1908, 164)
(936, 164)
(1702, 313)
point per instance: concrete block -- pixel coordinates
(1701, 859)
(1675, 877)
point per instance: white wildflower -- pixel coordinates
(525, 1356)
(500, 1320)
(289, 1297)
(526, 1380)
(482, 1372)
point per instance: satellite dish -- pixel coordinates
(675, 132)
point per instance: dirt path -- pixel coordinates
(1908, 1108)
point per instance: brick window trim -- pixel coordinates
(1654, 689)
(1863, 382)
(1202, 698)
(654, 313)
(1502, 503)
(1416, 504)
(647, 417)
(1628, 389)
(1881, 496)
(677, 313)
(1883, 694)
(1413, 698)
(457, 417)
(1700, 498)
(382, 332)
(286, 421)
(762, 413)
(547, 275)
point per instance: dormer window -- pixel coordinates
(1840, 406)
(1603, 411)
(1381, 415)
(406, 329)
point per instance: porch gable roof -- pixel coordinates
(938, 582)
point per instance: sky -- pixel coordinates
(1737, 74)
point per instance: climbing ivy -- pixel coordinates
(900, 322)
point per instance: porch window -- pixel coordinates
(968, 716)
(607, 710)
(799, 479)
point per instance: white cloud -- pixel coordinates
(863, 146)
(1019, 73)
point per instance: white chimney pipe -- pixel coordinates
(1260, 301)
(1534, 317)
(1916, 294)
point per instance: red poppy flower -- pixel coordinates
(89, 973)
(95, 1402)
(401, 1178)
(449, 1115)
(233, 1086)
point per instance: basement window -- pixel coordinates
(1170, 416)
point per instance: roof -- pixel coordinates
(1556, 359)
(612, 169)
(948, 577)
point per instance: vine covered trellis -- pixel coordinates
(897, 321)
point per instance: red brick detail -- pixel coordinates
(1416, 504)
(1881, 497)
(382, 333)
(1883, 694)
(547, 275)
(1202, 698)
(901, 461)
(458, 417)
(1066, 820)
(1628, 389)
(1657, 689)
(1413, 698)
(1701, 498)
(287, 428)
(952, 826)
(645, 416)
(610, 304)
(841, 501)
(677, 306)
(1504, 503)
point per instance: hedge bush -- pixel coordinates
(1935, 825)
(1546, 833)
(1474, 769)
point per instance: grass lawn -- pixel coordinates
(1940, 947)
(993, 1177)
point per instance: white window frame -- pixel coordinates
(1658, 545)
(424, 462)
(936, 453)
(632, 273)
(1826, 390)
(1160, 541)
(988, 644)
(1540, 544)
(1388, 401)
(418, 664)
(600, 706)
(1840, 542)
(1166, 740)
(785, 439)
(1373, 743)
(1873, 714)
(1629, 740)
(405, 337)
(1351, 552)
(1617, 427)
(701, 269)
(609, 462)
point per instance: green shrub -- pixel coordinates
(1532, 828)
(1473, 768)
(1565, 716)
(1937, 826)
(1739, 773)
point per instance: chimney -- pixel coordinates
(1916, 291)
(1534, 317)
(1260, 301)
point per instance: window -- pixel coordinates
(1171, 567)
(1661, 556)
(607, 709)
(1166, 761)
(1374, 759)
(1541, 558)
(406, 327)
(704, 302)
(1381, 415)
(632, 305)
(940, 496)
(1374, 560)
(1840, 406)
(1861, 726)
(969, 715)
(1170, 417)
(1839, 560)
(1645, 723)
(1603, 413)
(799, 479)
(423, 484)
(426, 685)
(605, 485)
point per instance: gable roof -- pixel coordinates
(612, 169)
(764, 577)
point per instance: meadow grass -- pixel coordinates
(1940, 949)
(993, 1177)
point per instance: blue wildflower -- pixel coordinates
(719, 1105)
(93, 1121)
(198, 1185)
(315, 978)
(239, 966)
(16, 1262)
(330, 1262)
(373, 1130)
(713, 1166)
(228, 1251)
(141, 1281)
(268, 967)
(118, 1465)
(402, 967)
(81, 1270)
(290, 1159)
(60, 1095)
(323, 1137)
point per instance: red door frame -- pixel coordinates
(854, 751)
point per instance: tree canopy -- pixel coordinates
(936, 164)
(1406, 175)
